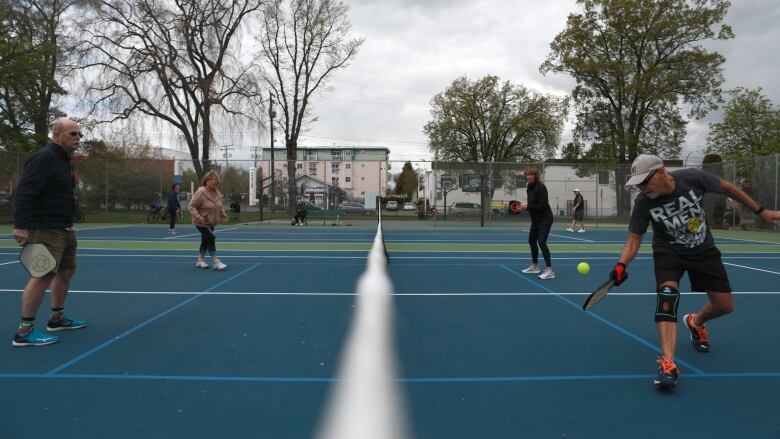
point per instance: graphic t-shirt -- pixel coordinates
(678, 219)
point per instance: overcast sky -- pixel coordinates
(415, 48)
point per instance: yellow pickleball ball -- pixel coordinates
(583, 268)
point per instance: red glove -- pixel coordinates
(619, 273)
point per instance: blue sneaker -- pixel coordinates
(65, 323)
(34, 338)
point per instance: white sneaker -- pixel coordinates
(218, 265)
(532, 270)
(202, 264)
(581, 231)
(547, 275)
(569, 229)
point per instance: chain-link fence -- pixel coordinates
(126, 190)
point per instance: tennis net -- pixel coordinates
(366, 401)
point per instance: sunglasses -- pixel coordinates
(648, 178)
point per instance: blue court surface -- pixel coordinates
(484, 351)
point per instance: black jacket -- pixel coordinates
(173, 201)
(538, 204)
(46, 195)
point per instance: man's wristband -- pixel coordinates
(759, 210)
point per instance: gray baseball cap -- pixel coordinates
(643, 165)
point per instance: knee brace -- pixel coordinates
(666, 307)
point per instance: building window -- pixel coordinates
(348, 166)
(347, 179)
(335, 154)
(334, 181)
(347, 154)
(299, 166)
(362, 165)
(603, 177)
(362, 178)
(313, 168)
(362, 192)
(334, 167)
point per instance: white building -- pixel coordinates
(357, 171)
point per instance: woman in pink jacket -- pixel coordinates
(207, 210)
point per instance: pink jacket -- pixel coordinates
(206, 208)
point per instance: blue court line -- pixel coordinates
(269, 379)
(148, 321)
(615, 326)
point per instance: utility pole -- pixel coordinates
(271, 115)
(226, 154)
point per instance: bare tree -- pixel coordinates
(174, 60)
(303, 41)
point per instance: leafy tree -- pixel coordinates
(636, 64)
(303, 42)
(406, 181)
(489, 121)
(750, 126)
(174, 61)
(34, 52)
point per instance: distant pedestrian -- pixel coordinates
(174, 207)
(538, 207)
(578, 212)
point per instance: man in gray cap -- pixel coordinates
(672, 202)
(578, 212)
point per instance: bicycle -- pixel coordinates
(158, 213)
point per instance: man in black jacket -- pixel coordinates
(538, 207)
(45, 206)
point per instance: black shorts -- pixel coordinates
(579, 215)
(705, 270)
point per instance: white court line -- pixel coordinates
(79, 229)
(360, 256)
(244, 293)
(751, 268)
(571, 237)
(749, 240)
(9, 263)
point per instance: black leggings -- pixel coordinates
(172, 217)
(208, 242)
(538, 234)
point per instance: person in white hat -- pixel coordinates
(682, 242)
(578, 212)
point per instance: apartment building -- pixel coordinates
(354, 171)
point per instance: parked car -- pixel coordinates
(410, 206)
(391, 205)
(469, 209)
(356, 208)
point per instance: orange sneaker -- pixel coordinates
(667, 373)
(700, 337)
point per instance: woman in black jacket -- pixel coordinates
(538, 207)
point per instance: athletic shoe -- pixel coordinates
(547, 275)
(569, 229)
(667, 373)
(218, 265)
(34, 338)
(202, 264)
(532, 270)
(172, 231)
(65, 323)
(581, 231)
(700, 337)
